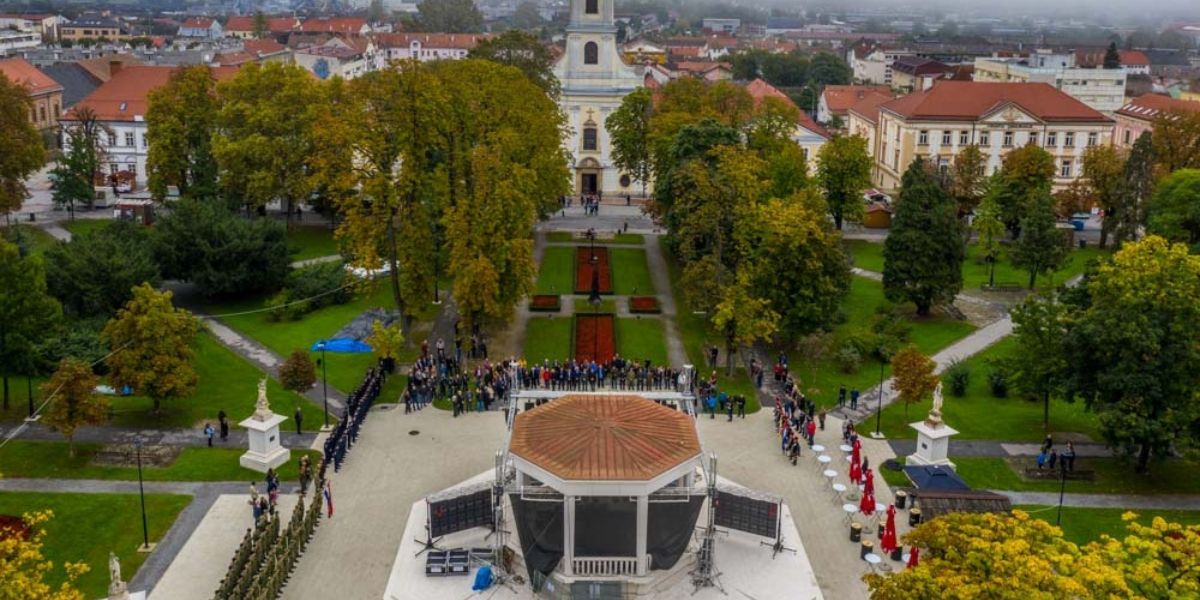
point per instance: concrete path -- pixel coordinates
(656, 262)
(1161, 502)
(165, 437)
(56, 231)
(994, 449)
(316, 261)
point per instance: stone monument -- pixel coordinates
(933, 436)
(117, 589)
(266, 450)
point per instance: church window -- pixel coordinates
(625, 180)
(592, 7)
(589, 138)
(591, 53)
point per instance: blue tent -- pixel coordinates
(342, 345)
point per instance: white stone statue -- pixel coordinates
(262, 408)
(935, 413)
(117, 590)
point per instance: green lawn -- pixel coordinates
(556, 275)
(1083, 525)
(86, 527)
(620, 238)
(307, 242)
(82, 226)
(641, 339)
(869, 255)
(980, 416)
(630, 274)
(1173, 476)
(583, 307)
(35, 239)
(548, 338)
(50, 460)
(225, 382)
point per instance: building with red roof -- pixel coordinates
(808, 134)
(342, 25)
(243, 26)
(1138, 115)
(46, 94)
(836, 100)
(202, 28)
(935, 124)
(428, 46)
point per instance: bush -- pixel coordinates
(94, 274)
(848, 358)
(998, 381)
(284, 308)
(957, 376)
(317, 283)
(221, 252)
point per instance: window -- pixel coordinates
(591, 53)
(1032, 138)
(1008, 139)
(112, 139)
(1052, 139)
(947, 137)
(625, 181)
(132, 168)
(1092, 138)
(1065, 171)
(985, 139)
(589, 138)
(1127, 136)
(943, 165)
(113, 168)
(923, 138)
(963, 138)
(41, 113)
(129, 139)
(896, 159)
(592, 7)
(145, 142)
(1069, 139)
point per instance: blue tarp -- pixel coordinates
(342, 345)
(935, 478)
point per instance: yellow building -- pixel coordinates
(46, 94)
(936, 123)
(94, 28)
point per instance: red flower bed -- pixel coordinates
(13, 527)
(583, 270)
(644, 304)
(594, 337)
(545, 303)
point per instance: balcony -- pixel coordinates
(607, 566)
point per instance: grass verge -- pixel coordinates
(22, 459)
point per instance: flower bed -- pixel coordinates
(644, 304)
(595, 337)
(545, 303)
(13, 527)
(583, 270)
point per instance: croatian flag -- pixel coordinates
(329, 499)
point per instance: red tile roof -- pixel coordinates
(102, 68)
(868, 107)
(604, 438)
(971, 100)
(759, 90)
(246, 23)
(462, 41)
(263, 47)
(352, 25)
(839, 98)
(1095, 58)
(1149, 106)
(197, 23)
(124, 96)
(18, 70)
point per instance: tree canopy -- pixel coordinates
(151, 343)
(220, 252)
(180, 122)
(923, 252)
(73, 400)
(1174, 211)
(844, 171)
(28, 313)
(448, 16)
(94, 274)
(524, 51)
(21, 150)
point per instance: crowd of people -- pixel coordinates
(438, 376)
(618, 374)
(797, 420)
(345, 433)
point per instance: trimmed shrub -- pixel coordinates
(957, 376)
(848, 358)
(998, 381)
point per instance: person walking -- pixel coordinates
(223, 423)
(821, 419)
(1068, 457)
(741, 405)
(208, 433)
(299, 416)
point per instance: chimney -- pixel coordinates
(114, 67)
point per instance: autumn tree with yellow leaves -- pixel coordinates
(23, 567)
(912, 375)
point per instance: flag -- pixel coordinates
(329, 499)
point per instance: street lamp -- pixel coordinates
(142, 494)
(324, 384)
(883, 353)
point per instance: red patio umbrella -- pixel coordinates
(867, 505)
(855, 472)
(868, 481)
(913, 556)
(888, 544)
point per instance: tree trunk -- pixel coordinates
(157, 405)
(992, 272)
(730, 348)
(1143, 461)
(923, 309)
(1106, 228)
(71, 446)
(1046, 410)
(1032, 278)
(837, 220)
(394, 276)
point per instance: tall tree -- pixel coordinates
(629, 129)
(27, 312)
(527, 17)
(741, 317)
(24, 570)
(386, 343)
(1112, 58)
(21, 150)
(73, 179)
(180, 120)
(1038, 369)
(73, 400)
(1026, 173)
(1174, 211)
(260, 24)
(1042, 247)
(1176, 141)
(265, 134)
(1104, 168)
(913, 376)
(967, 181)
(989, 231)
(94, 274)
(923, 252)
(449, 16)
(844, 171)
(524, 51)
(151, 344)
(829, 69)
(1132, 352)
(220, 252)
(1137, 186)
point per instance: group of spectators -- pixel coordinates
(618, 374)
(438, 376)
(797, 420)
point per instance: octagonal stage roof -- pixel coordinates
(604, 438)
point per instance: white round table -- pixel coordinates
(824, 459)
(873, 559)
(818, 448)
(838, 490)
(830, 473)
(850, 509)
(846, 448)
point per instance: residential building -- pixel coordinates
(1101, 89)
(13, 42)
(722, 25)
(782, 25)
(93, 28)
(256, 51)
(718, 46)
(76, 82)
(1138, 116)
(873, 64)
(243, 26)
(204, 28)
(862, 120)
(120, 105)
(641, 51)
(427, 46)
(936, 123)
(336, 25)
(347, 58)
(708, 71)
(836, 100)
(44, 24)
(808, 134)
(1134, 62)
(914, 73)
(46, 94)
(593, 81)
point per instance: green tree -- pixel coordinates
(1042, 247)
(73, 400)
(1174, 211)
(742, 318)
(73, 179)
(151, 344)
(1112, 58)
(260, 24)
(180, 120)
(376, 12)
(27, 312)
(967, 181)
(1132, 351)
(94, 274)
(21, 150)
(629, 129)
(1137, 186)
(265, 134)
(1038, 369)
(298, 373)
(220, 252)
(923, 252)
(913, 376)
(829, 69)
(989, 231)
(1026, 173)
(386, 342)
(527, 17)
(1104, 168)
(1176, 137)
(844, 171)
(449, 16)
(524, 51)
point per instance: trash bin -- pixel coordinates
(901, 499)
(855, 532)
(914, 517)
(1082, 244)
(867, 547)
(897, 553)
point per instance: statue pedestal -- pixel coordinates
(933, 444)
(127, 596)
(266, 451)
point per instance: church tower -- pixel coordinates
(594, 80)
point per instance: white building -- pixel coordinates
(594, 80)
(722, 25)
(873, 65)
(1101, 89)
(339, 57)
(427, 46)
(12, 42)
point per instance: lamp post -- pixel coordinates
(879, 404)
(29, 392)
(436, 297)
(142, 494)
(1062, 488)
(324, 384)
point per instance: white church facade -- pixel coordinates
(594, 79)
